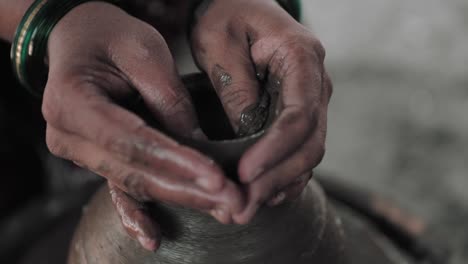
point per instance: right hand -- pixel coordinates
(98, 55)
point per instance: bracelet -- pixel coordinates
(29, 46)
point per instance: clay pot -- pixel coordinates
(304, 231)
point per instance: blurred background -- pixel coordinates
(398, 121)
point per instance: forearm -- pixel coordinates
(11, 12)
(166, 15)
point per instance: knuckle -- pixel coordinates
(232, 27)
(177, 104)
(298, 48)
(51, 111)
(321, 150)
(299, 118)
(207, 37)
(319, 49)
(105, 169)
(314, 156)
(297, 51)
(302, 179)
(301, 51)
(143, 46)
(236, 98)
(127, 150)
(56, 146)
(99, 136)
(134, 185)
(310, 158)
(134, 150)
(305, 160)
(328, 85)
(297, 57)
(313, 45)
(331, 89)
(307, 114)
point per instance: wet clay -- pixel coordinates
(254, 118)
(300, 232)
(303, 231)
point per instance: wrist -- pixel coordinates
(88, 19)
(11, 13)
(29, 46)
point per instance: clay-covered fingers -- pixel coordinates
(226, 59)
(135, 219)
(150, 69)
(296, 71)
(91, 116)
(284, 180)
(144, 184)
(295, 144)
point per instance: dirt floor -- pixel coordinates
(399, 115)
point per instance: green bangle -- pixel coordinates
(294, 8)
(29, 46)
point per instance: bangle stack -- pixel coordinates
(29, 47)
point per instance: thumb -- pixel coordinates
(150, 68)
(232, 74)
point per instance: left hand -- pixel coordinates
(242, 43)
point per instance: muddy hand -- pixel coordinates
(136, 219)
(243, 43)
(98, 56)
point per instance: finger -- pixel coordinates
(282, 175)
(90, 115)
(151, 70)
(284, 138)
(291, 192)
(226, 59)
(297, 73)
(135, 219)
(328, 87)
(160, 185)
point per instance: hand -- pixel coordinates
(99, 56)
(243, 43)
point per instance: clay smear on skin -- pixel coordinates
(221, 76)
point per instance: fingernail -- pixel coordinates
(278, 199)
(259, 171)
(221, 215)
(148, 243)
(206, 184)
